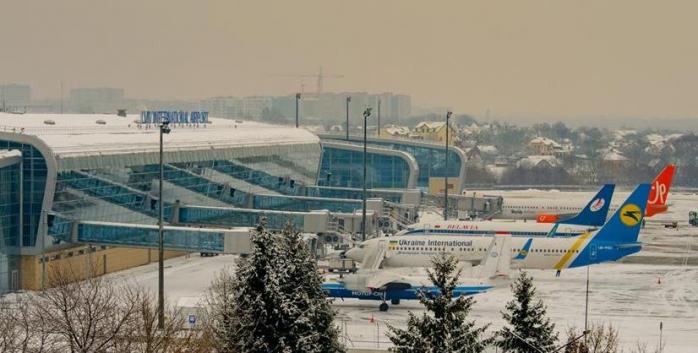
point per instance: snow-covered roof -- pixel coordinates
(71, 137)
(535, 160)
(397, 130)
(620, 134)
(431, 124)
(544, 141)
(490, 149)
(614, 155)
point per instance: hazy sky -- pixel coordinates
(516, 58)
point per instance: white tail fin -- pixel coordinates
(497, 263)
(374, 257)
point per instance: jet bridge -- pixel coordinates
(210, 240)
(468, 206)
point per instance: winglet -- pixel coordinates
(596, 211)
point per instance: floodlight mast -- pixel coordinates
(164, 129)
(367, 114)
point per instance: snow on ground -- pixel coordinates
(627, 295)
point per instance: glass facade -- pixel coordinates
(9, 227)
(138, 235)
(129, 195)
(353, 193)
(238, 217)
(34, 184)
(344, 168)
(431, 159)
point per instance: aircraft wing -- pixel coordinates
(385, 280)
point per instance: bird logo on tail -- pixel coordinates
(630, 215)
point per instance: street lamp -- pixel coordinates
(164, 129)
(348, 101)
(367, 114)
(298, 99)
(448, 117)
(379, 118)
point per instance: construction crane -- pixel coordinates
(320, 76)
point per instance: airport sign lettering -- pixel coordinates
(175, 117)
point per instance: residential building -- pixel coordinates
(436, 131)
(15, 97)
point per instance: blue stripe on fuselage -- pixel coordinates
(338, 290)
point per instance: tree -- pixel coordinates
(312, 325)
(218, 320)
(445, 327)
(274, 302)
(600, 339)
(85, 316)
(530, 330)
(259, 316)
(143, 335)
(22, 330)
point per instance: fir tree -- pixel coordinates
(530, 331)
(259, 311)
(274, 302)
(444, 329)
(312, 326)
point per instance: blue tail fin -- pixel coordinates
(596, 211)
(624, 226)
(521, 255)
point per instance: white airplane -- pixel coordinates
(616, 239)
(593, 215)
(371, 283)
(554, 210)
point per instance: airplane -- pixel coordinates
(554, 211)
(614, 240)
(592, 216)
(394, 285)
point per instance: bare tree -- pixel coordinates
(218, 320)
(92, 315)
(22, 329)
(600, 339)
(87, 315)
(143, 335)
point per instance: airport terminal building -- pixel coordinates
(76, 186)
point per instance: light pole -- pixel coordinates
(379, 118)
(448, 117)
(348, 101)
(164, 129)
(586, 304)
(298, 99)
(367, 114)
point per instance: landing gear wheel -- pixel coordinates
(383, 307)
(395, 301)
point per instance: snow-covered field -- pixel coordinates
(627, 295)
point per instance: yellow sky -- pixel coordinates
(520, 57)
